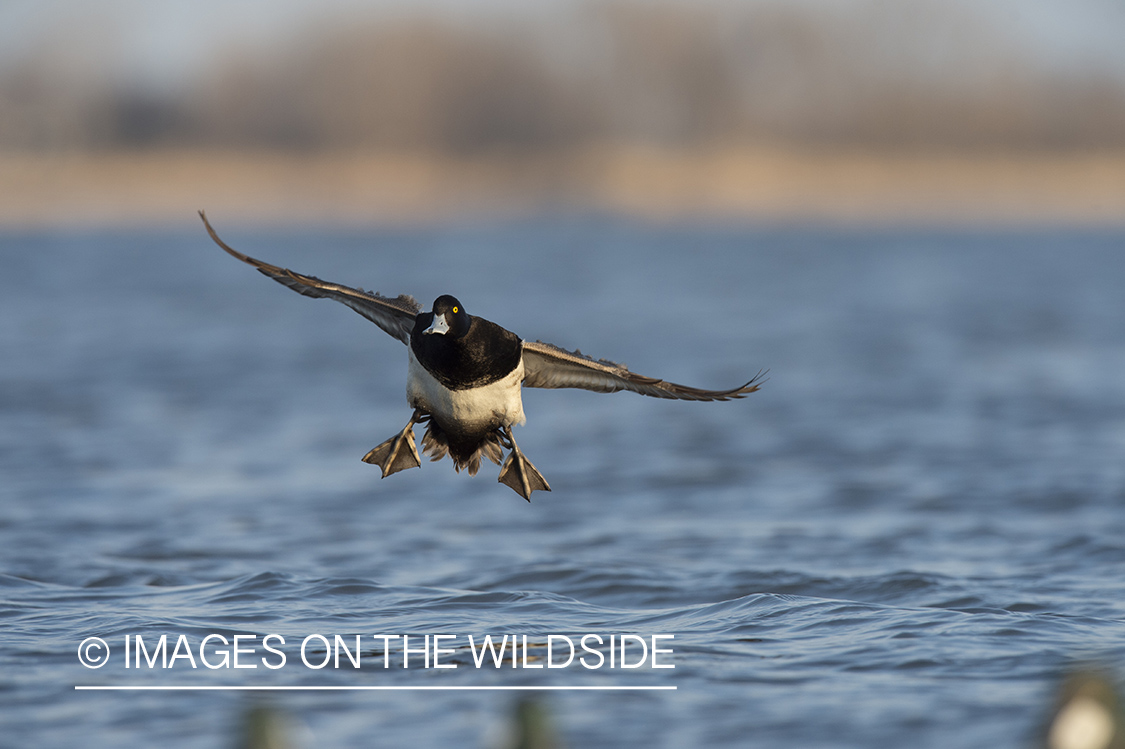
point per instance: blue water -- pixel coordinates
(902, 540)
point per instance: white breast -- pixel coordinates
(498, 404)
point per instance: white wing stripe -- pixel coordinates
(549, 366)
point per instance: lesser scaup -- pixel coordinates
(465, 377)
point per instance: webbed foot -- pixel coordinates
(399, 452)
(518, 472)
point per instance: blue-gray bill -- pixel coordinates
(466, 375)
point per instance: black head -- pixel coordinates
(449, 318)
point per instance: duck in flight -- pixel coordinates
(465, 377)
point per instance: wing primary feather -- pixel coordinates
(549, 366)
(395, 316)
(545, 365)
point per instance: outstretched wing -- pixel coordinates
(548, 366)
(396, 316)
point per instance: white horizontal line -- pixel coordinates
(265, 688)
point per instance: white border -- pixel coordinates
(264, 688)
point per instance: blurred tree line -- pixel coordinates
(901, 74)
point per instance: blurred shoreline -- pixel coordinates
(731, 183)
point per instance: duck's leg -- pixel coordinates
(399, 452)
(517, 471)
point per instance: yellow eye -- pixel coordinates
(455, 310)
